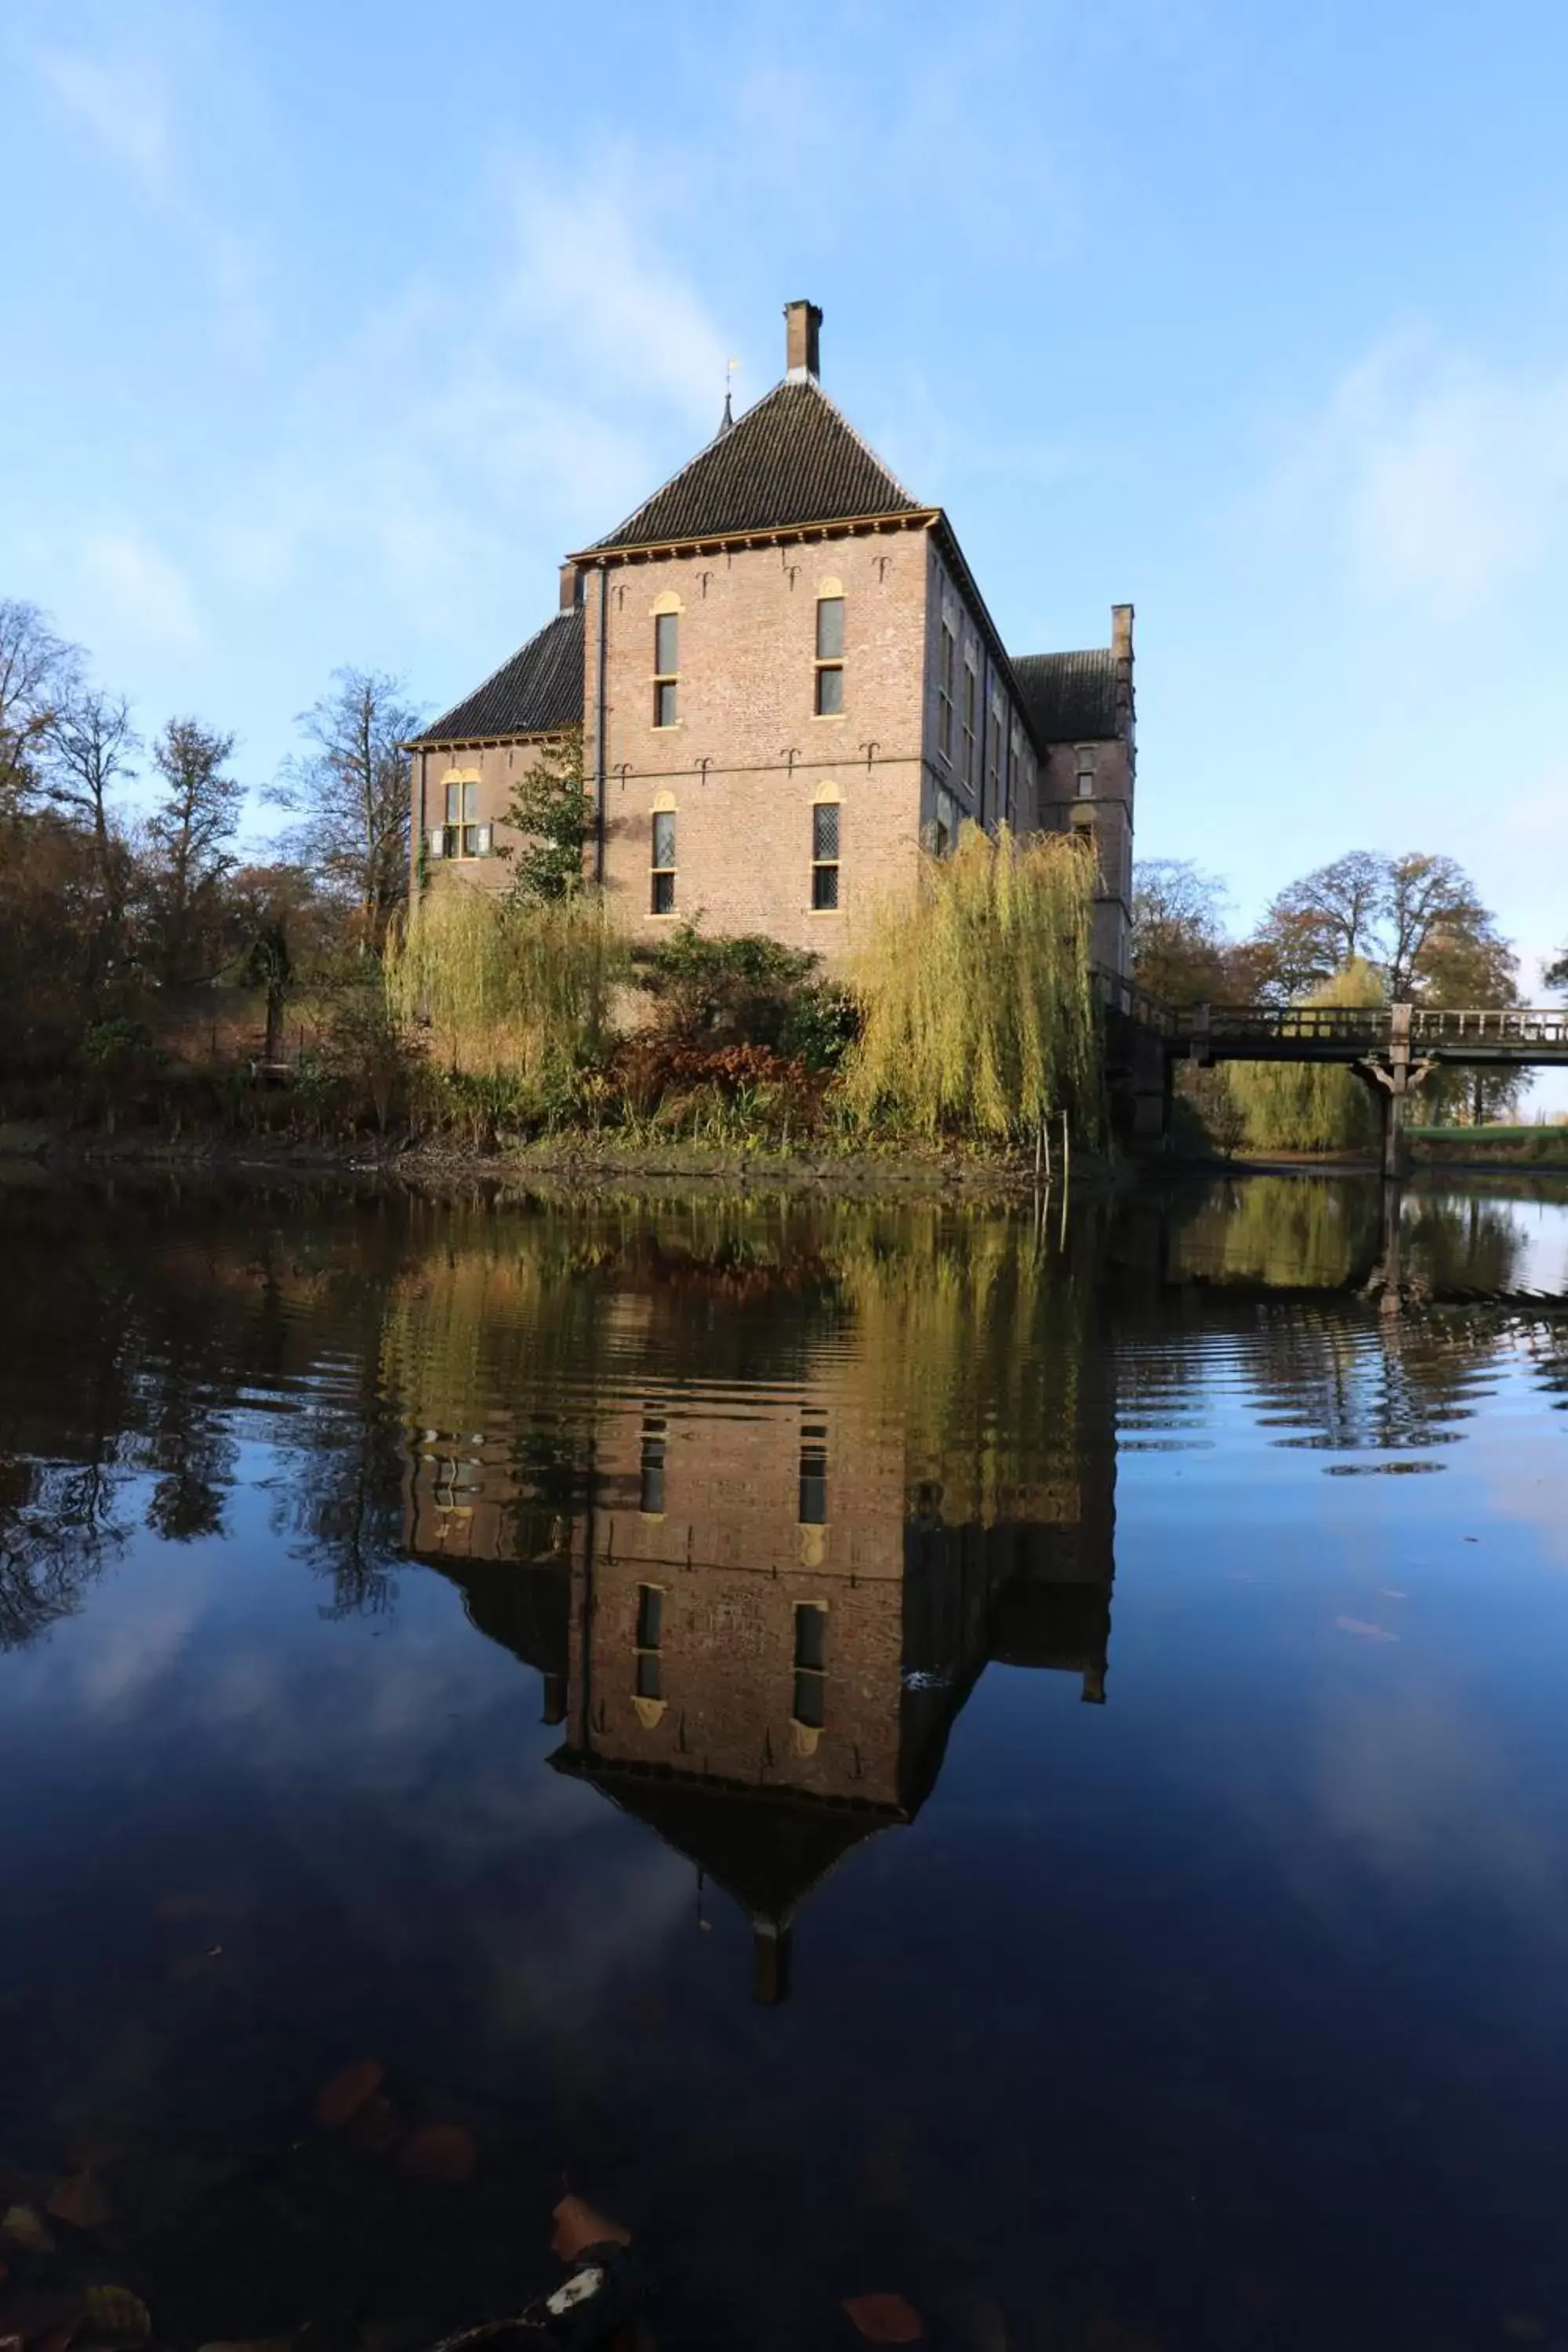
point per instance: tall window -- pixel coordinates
(662, 897)
(650, 1637)
(665, 668)
(461, 835)
(946, 657)
(1085, 773)
(829, 655)
(994, 763)
(814, 1476)
(824, 855)
(970, 698)
(651, 1488)
(810, 1666)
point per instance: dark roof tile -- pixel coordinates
(537, 692)
(792, 459)
(1070, 697)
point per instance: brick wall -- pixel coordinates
(745, 708)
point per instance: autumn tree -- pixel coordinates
(1328, 918)
(1179, 950)
(353, 786)
(550, 810)
(188, 837)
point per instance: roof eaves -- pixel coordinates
(761, 535)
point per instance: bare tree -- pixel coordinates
(37, 670)
(188, 837)
(91, 746)
(353, 783)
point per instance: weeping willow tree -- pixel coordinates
(1312, 1106)
(979, 1010)
(506, 985)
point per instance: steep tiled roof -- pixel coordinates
(792, 459)
(539, 691)
(1070, 697)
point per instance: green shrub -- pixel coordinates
(725, 991)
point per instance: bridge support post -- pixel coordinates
(1393, 1078)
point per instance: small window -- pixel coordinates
(650, 1675)
(829, 689)
(663, 868)
(944, 692)
(825, 856)
(462, 836)
(665, 668)
(1085, 786)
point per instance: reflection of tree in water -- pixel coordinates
(58, 1531)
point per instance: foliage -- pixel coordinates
(550, 810)
(188, 835)
(353, 784)
(1310, 1106)
(725, 991)
(1178, 941)
(978, 1001)
(38, 672)
(1555, 975)
(1416, 917)
(822, 1023)
(504, 984)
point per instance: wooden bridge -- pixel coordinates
(1391, 1047)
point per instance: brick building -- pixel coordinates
(756, 1622)
(788, 682)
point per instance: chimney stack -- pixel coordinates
(802, 325)
(571, 587)
(1122, 632)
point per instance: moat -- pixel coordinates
(1015, 1760)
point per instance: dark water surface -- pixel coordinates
(892, 1749)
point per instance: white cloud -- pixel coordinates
(125, 105)
(1443, 478)
(148, 595)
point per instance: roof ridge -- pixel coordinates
(612, 538)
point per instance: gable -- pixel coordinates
(791, 460)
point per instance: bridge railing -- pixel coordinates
(1515, 1025)
(1323, 1024)
(1120, 994)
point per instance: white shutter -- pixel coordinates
(435, 841)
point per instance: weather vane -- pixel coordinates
(730, 367)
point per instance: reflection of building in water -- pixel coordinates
(756, 1616)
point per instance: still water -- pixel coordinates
(896, 1748)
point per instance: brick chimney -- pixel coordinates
(1121, 655)
(571, 587)
(802, 325)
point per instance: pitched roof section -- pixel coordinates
(537, 692)
(1070, 697)
(792, 459)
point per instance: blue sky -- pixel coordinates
(331, 327)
